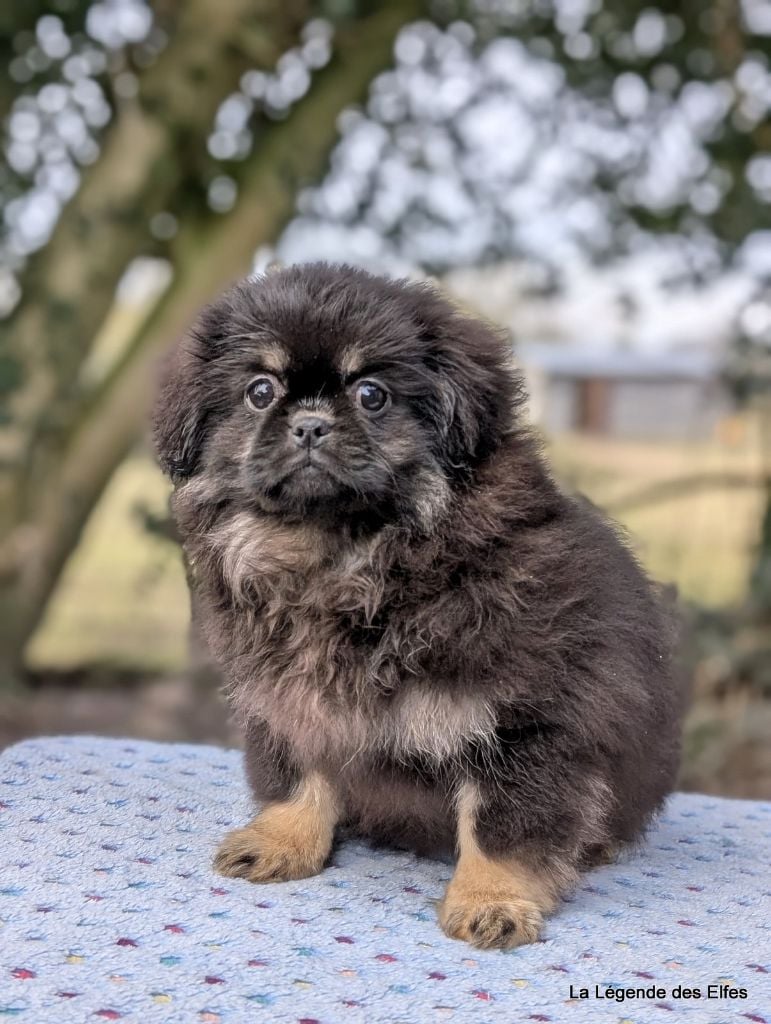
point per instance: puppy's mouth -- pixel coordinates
(313, 482)
(310, 464)
(311, 461)
(310, 474)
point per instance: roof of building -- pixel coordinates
(575, 360)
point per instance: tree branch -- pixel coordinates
(210, 255)
(667, 490)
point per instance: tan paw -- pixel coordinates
(261, 855)
(286, 840)
(490, 922)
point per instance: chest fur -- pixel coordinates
(318, 646)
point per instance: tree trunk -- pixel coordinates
(760, 576)
(209, 255)
(70, 284)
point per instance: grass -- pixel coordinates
(703, 540)
(123, 600)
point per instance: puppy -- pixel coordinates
(426, 639)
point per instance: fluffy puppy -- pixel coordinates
(426, 639)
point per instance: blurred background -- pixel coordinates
(595, 176)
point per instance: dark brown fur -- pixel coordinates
(428, 623)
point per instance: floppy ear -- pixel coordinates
(179, 415)
(479, 391)
(193, 382)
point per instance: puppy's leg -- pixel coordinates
(288, 839)
(495, 901)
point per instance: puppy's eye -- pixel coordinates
(261, 393)
(371, 397)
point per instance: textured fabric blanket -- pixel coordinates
(109, 909)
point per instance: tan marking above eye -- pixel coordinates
(351, 363)
(273, 357)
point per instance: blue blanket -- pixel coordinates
(109, 910)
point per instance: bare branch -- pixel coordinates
(669, 490)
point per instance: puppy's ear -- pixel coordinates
(180, 413)
(479, 391)
(193, 393)
(188, 391)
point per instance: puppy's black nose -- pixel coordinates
(310, 431)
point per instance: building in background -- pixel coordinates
(625, 392)
(615, 351)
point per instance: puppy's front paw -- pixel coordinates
(287, 840)
(246, 854)
(490, 921)
(284, 842)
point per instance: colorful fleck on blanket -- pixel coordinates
(109, 910)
